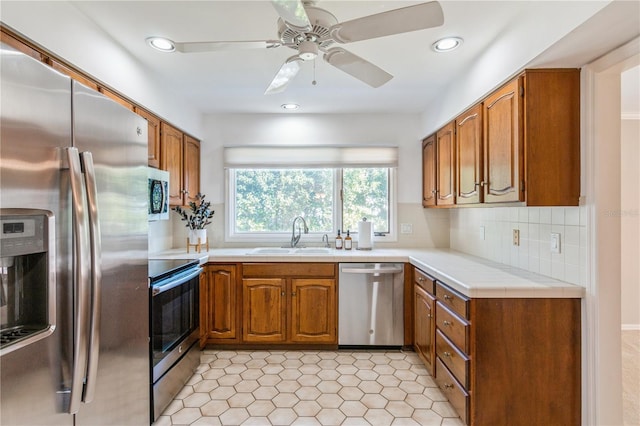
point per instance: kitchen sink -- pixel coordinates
(289, 251)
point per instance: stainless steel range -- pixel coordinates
(174, 325)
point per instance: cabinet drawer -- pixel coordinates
(424, 281)
(456, 361)
(453, 300)
(452, 390)
(278, 270)
(452, 326)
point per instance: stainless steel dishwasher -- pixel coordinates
(371, 304)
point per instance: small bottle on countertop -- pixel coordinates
(347, 241)
(338, 241)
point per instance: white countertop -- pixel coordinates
(470, 275)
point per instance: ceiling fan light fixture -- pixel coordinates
(308, 50)
(162, 44)
(446, 44)
(290, 107)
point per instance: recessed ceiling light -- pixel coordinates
(290, 106)
(162, 44)
(446, 44)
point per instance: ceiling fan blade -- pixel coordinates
(214, 46)
(285, 74)
(293, 14)
(359, 68)
(397, 21)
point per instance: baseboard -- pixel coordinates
(630, 327)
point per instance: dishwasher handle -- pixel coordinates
(384, 270)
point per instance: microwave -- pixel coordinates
(158, 195)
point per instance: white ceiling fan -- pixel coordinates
(309, 29)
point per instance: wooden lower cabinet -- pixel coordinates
(424, 318)
(264, 313)
(313, 310)
(509, 361)
(219, 321)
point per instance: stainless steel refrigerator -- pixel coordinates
(73, 257)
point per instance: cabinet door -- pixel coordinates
(429, 171)
(445, 150)
(171, 160)
(220, 302)
(469, 156)
(153, 145)
(424, 326)
(63, 69)
(191, 171)
(313, 310)
(503, 162)
(263, 310)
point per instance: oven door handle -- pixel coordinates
(174, 281)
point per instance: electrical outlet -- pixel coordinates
(516, 237)
(406, 228)
(555, 242)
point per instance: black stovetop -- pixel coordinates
(161, 268)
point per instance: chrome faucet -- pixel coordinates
(295, 239)
(325, 240)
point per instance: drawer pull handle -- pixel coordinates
(447, 297)
(420, 279)
(447, 386)
(445, 322)
(447, 354)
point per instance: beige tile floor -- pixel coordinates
(310, 388)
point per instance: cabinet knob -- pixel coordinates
(420, 279)
(429, 316)
(447, 297)
(447, 354)
(448, 323)
(447, 386)
(293, 293)
(282, 294)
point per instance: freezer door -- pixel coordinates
(35, 127)
(117, 140)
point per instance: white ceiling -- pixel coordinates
(234, 81)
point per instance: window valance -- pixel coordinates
(253, 157)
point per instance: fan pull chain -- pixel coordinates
(314, 82)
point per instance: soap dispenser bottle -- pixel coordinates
(347, 241)
(338, 241)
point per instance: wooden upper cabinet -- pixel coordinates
(445, 154)
(429, 171)
(20, 46)
(503, 160)
(171, 160)
(116, 97)
(469, 156)
(551, 128)
(75, 75)
(153, 123)
(191, 171)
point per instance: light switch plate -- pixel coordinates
(555, 242)
(516, 237)
(406, 228)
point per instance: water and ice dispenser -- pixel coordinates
(27, 280)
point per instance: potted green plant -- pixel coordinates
(197, 217)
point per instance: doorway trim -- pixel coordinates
(601, 182)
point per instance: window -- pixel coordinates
(263, 202)
(265, 195)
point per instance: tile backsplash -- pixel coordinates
(488, 233)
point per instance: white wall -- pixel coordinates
(430, 227)
(630, 222)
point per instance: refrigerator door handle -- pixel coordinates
(96, 276)
(81, 278)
